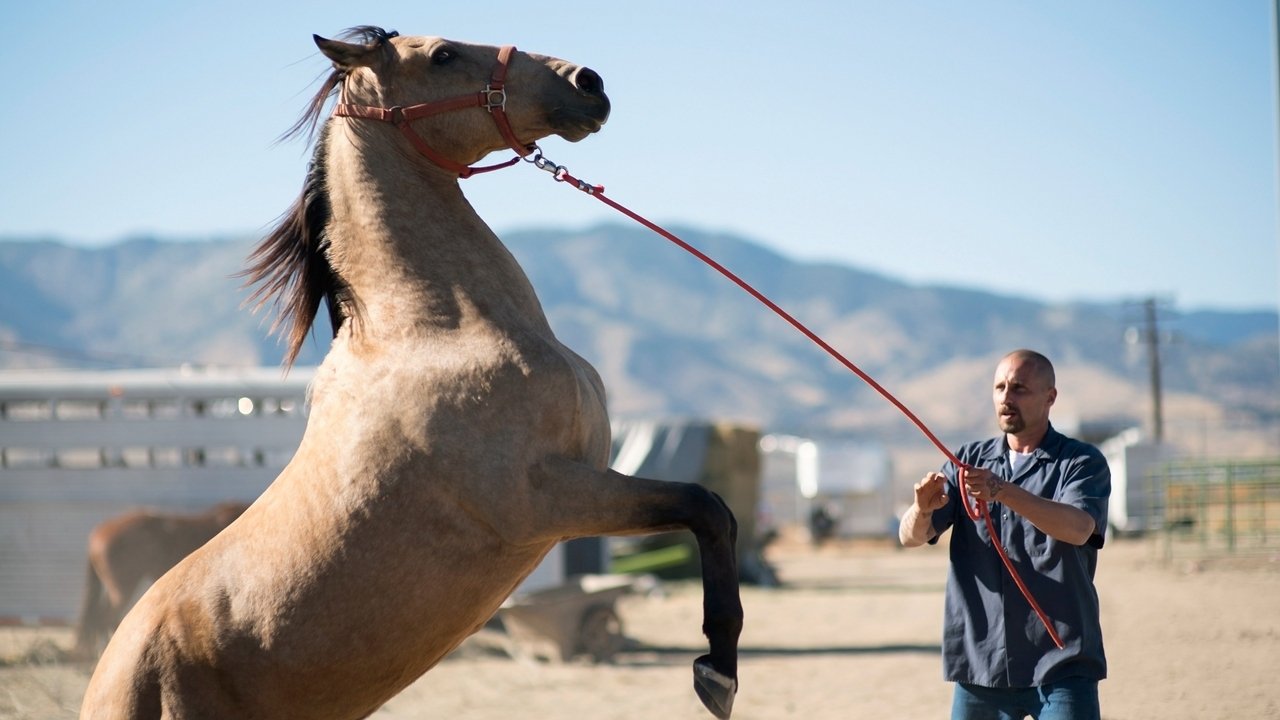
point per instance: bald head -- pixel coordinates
(1022, 392)
(1037, 363)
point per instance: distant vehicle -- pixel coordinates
(1136, 505)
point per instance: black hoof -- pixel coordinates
(715, 689)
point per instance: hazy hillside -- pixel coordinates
(672, 338)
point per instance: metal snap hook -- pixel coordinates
(542, 163)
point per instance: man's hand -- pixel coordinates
(982, 484)
(916, 526)
(931, 492)
(1058, 520)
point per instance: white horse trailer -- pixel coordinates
(77, 447)
(1137, 498)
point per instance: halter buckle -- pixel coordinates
(494, 97)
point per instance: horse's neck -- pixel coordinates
(415, 254)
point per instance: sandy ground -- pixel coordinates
(852, 633)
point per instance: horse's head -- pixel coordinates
(462, 100)
(455, 102)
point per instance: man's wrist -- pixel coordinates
(997, 484)
(915, 526)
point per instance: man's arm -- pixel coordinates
(1060, 521)
(916, 526)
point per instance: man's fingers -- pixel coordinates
(931, 491)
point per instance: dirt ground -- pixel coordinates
(852, 633)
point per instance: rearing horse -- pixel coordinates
(452, 439)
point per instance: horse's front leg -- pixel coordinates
(574, 500)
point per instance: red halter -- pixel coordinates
(492, 98)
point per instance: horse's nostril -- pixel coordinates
(588, 81)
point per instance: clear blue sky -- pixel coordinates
(1093, 150)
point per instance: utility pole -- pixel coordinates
(1149, 335)
(1275, 46)
(1152, 337)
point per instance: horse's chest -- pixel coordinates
(467, 394)
(510, 377)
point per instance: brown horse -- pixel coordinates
(452, 439)
(132, 547)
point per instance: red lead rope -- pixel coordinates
(981, 510)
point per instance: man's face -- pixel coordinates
(1022, 397)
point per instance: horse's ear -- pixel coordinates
(346, 56)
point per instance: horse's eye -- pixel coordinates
(443, 56)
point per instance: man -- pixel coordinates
(1047, 495)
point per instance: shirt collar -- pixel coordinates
(1048, 449)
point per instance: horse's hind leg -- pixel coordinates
(573, 500)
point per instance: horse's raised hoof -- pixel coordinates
(715, 689)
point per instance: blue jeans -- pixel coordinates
(1069, 699)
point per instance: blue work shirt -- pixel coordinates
(991, 635)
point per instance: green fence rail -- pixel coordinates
(1211, 507)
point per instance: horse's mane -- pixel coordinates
(290, 267)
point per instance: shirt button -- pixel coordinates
(1004, 516)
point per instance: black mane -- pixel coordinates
(290, 267)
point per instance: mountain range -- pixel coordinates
(673, 339)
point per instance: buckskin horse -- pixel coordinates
(132, 547)
(452, 439)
